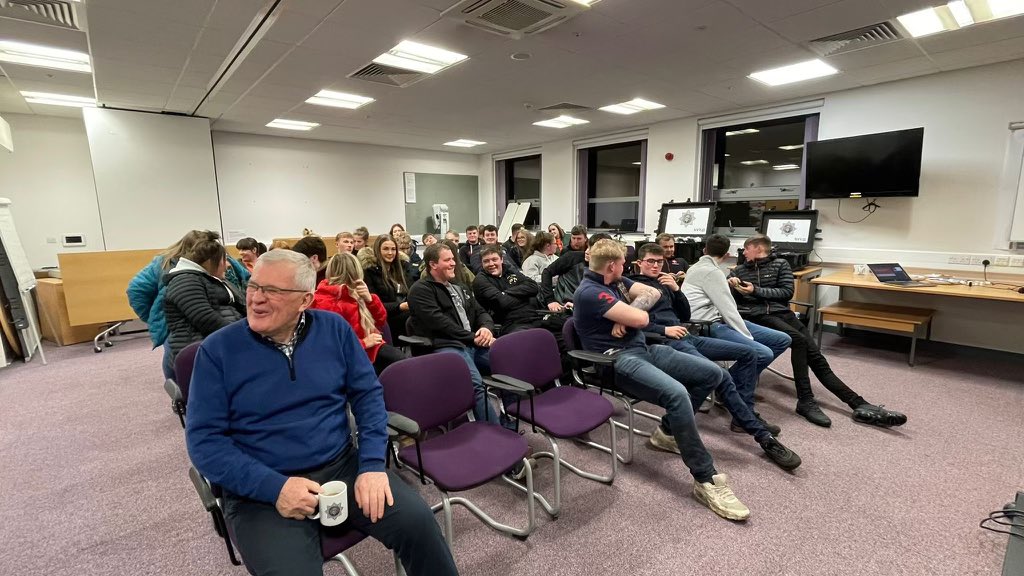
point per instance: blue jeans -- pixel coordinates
(744, 370)
(767, 344)
(668, 378)
(479, 361)
(167, 364)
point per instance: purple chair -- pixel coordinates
(594, 370)
(333, 541)
(177, 388)
(531, 358)
(436, 391)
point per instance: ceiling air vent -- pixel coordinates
(515, 18)
(53, 12)
(389, 75)
(564, 106)
(858, 39)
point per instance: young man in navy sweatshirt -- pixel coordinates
(266, 421)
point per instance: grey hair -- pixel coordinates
(305, 275)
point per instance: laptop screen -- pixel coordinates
(889, 272)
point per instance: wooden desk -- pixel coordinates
(847, 279)
(53, 315)
(95, 284)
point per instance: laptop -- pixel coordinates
(894, 275)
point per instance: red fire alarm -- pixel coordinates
(669, 156)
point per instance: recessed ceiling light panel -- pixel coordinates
(339, 100)
(418, 57)
(753, 162)
(632, 107)
(44, 57)
(561, 122)
(59, 99)
(291, 124)
(961, 13)
(744, 131)
(1005, 8)
(922, 22)
(794, 73)
(785, 167)
(791, 147)
(463, 143)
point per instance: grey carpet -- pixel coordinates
(94, 480)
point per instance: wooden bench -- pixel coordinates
(899, 319)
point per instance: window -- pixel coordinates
(753, 167)
(518, 180)
(611, 177)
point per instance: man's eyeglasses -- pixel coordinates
(271, 291)
(653, 261)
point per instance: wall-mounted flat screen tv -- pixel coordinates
(870, 166)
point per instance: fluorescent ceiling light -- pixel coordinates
(1004, 8)
(744, 131)
(339, 100)
(961, 13)
(44, 57)
(632, 107)
(586, 2)
(59, 99)
(727, 155)
(753, 162)
(794, 73)
(922, 22)
(291, 124)
(785, 167)
(791, 147)
(638, 163)
(463, 143)
(561, 122)
(419, 57)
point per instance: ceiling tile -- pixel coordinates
(1009, 49)
(43, 35)
(773, 11)
(973, 35)
(112, 69)
(188, 12)
(891, 52)
(893, 70)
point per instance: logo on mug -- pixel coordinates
(334, 510)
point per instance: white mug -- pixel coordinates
(332, 505)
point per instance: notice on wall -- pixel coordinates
(234, 236)
(410, 187)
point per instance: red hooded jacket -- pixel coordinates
(340, 300)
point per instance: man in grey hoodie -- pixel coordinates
(710, 298)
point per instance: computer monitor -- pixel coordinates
(791, 230)
(688, 219)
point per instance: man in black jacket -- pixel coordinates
(569, 269)
(763, 287)
(577, 240)
(490, 236)
(471, 246)
(452, 318)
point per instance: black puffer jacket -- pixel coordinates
(773, 286)
(197, 304)
(510, 298)
(569, 268)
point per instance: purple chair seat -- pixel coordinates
(337, 539)
(491, 449)
(564, 412)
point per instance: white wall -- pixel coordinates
(49, 179)
(274, 187)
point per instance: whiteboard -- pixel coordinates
(154, 175)
(15, 250)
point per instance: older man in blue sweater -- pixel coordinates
(266, 421)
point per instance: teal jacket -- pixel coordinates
(146, 294)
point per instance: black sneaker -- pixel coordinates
(878, 416)
(772, 428)
(810, 410)
(782, 456)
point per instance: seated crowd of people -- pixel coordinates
(290, 337)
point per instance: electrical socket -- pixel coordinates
(1017, 261)
(1001, 261)
(960, 259)
(975, 260)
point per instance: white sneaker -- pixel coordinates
(718, 496)
(663, 441)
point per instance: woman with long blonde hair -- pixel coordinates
(344, 292)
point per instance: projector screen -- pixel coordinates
(154, 176)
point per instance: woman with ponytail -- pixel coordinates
(344, 292)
